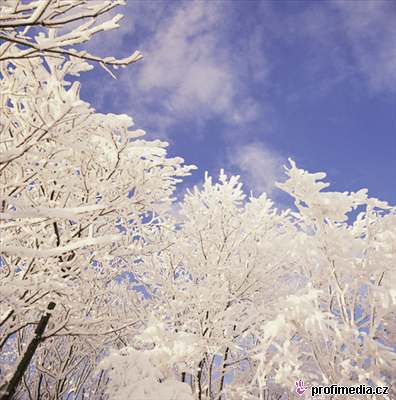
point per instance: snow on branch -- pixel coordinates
(56, 17)
(58, 251)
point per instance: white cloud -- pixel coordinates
(343, 40)
(365, 29)
(189, 69)
(260, 166)
(371, 29)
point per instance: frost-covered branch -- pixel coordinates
(68, 23)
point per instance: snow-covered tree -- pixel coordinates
(80, 194)
(216, 283)
(247, 299)
(341, 327)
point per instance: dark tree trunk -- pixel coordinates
(223, 373)
(199, 378)
(28, 355)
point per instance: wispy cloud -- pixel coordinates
(371, 29)
(260, 166)
(188, 69)
(359, 38)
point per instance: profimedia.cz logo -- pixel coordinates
(336, 390)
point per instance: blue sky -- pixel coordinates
(246, 84)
